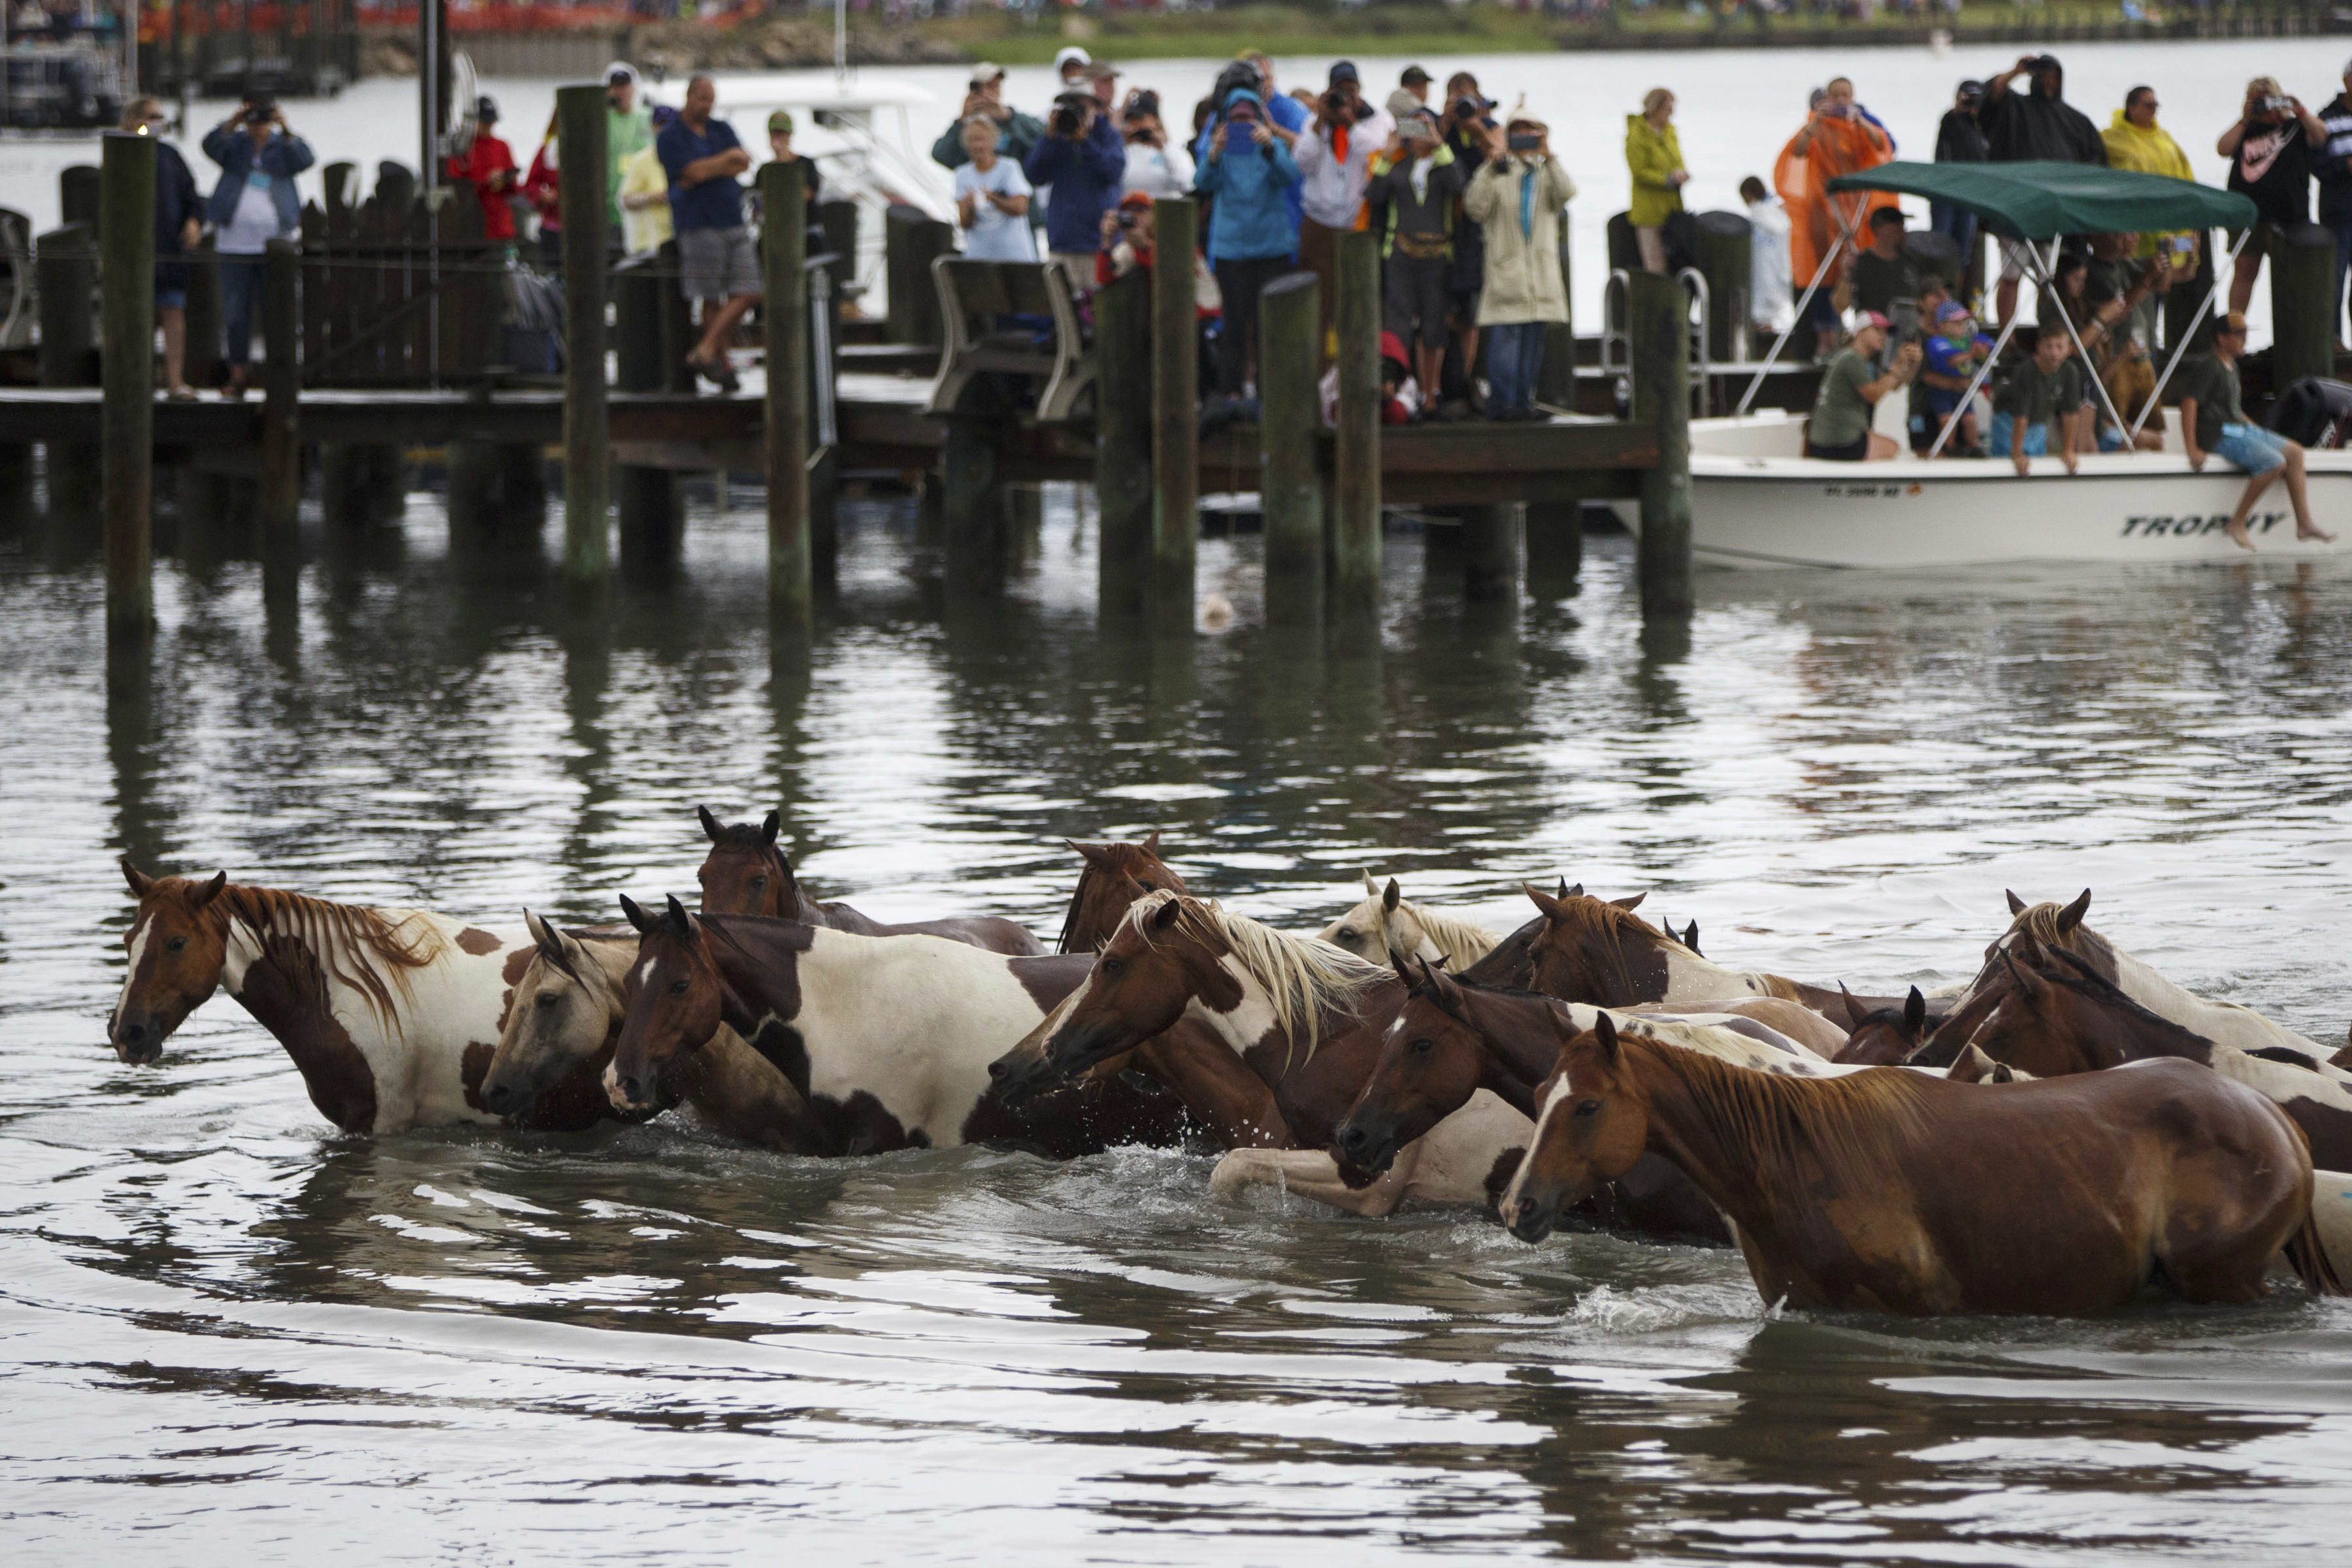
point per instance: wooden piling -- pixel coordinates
(2303, 305)
(783, 251)
(912, 240)
(82, 195)
(587, 423)
(203, 366)
(1175, 415)
(1290, 429)
(1659, 317)
(1555, 381)
(838, 219)
(647, 499)
(127, 220)
(1491, 535)
(1123, 444)
(1356, 450)
(281, 385)
(65, 271)
(1554, 535)
(1724, 252)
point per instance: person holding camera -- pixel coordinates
(1839, 429)
(254, 204)
(1083, 158)
(2272, 149)
(1334, 160)
(1249, 171)
(984, 94)
(1960, 140)
(1839, 137)
(1153, 167)
(1517, 198)
(1655, 155)
(1416, 184)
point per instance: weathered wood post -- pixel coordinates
(2303, 305)
(783, 252)
(81, 196)
(281, 385)
(587, 420)
(912, 240)
(1724, 245)
(1556, 382)
(1660, 320)
(646, 497)
(1290, 431)
(1175, 415)
(1491, 536)
(838, 219)
(1356, 446)
(65, 269)
(204, 355)
(1123, 445)
(127, 221)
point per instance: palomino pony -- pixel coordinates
(390, 1015)
(1387, 923)
(746, 874)
(2057, 1016)
(2049, 925)
(1895, 1192)
(887, 1040)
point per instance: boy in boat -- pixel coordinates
(2213, 422)
(2044, 389)
(1840, 428)
(1952, 358)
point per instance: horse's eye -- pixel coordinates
(677, 987)
(547, 998)
(177, 944)
(1350, 934)
(1114, 967)
(1588, 1108)
(1149, 887)
(1422, 1047)
(759, 881)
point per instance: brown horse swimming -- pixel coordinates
(746, 874)
(1900, 1191)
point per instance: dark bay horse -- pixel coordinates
(746, 874)
(389, 1014)
(887, 1040)
(1883, 1037)
(1898, 1192)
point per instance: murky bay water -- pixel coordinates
(231, 1337)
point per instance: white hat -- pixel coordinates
(1073, 53)
(621, 68)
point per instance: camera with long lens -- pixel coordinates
(1336, 105)
(1467, 108)
(1067, 118)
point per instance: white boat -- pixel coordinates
(1757, 502)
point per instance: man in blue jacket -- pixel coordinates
(1084, 158)
(254, 204)
(1249, 171)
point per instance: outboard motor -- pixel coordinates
(2314, 412)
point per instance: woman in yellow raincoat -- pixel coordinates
(2134, 141)
(1839, 138)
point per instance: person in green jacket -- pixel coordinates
(1654, 154)
(628, 131)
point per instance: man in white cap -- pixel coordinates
(1015, 132)
(628, 131)
(1071, 65)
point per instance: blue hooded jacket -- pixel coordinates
(1086, 178)
(1251, 183)
(283, 156)
(1289, 114)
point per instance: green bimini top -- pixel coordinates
(2042, 201)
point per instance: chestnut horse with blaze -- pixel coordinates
(1900, 1191)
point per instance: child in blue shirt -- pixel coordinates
(1953, 355)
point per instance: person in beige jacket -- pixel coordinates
(1516, 199)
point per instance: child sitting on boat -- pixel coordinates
(1953, 356)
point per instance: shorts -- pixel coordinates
(171, 298)
(1854, 451)
(1413, 289)
(717, 263)
(2037, 437)
(1822, 311)
(2252, 448)
(2014, 258)
(1462, 304)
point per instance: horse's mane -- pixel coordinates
(2087, 982)
(1304, 977)
(1457, 939)
(1128, 858)
(344, 937)
(1788, 1133)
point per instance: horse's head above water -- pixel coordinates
(1387, 926)
(1592, 1121)
(2031, 928)
(1884, 1036)
(675, 1001)
(1431, 1059)
(567, 1001)
(1598, 951)
(745, 873)
(1113, 877)
(178, 944)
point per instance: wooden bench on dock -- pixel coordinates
(982, 304)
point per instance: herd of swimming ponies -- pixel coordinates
(2065, 1130)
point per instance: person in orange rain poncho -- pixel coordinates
(1840, 137)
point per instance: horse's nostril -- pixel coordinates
(629, 1088)
(132, 1034)
(996, 1071)
(1352, 1137)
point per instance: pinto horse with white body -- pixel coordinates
(390, 1015)
(1896, 1192)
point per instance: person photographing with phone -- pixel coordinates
(1516, 199)
(1839, 137)
(1334, 160)
(1153, 167)
(1249, 171)
(2272, 149)
(254, 204)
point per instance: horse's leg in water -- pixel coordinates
(1314, 1175)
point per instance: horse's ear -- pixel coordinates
(1092, 854)
(636, 916)
(1971, 1066)
(1391, 896)
(675, 917)
(1402, 963)
(1914, 1013)
(1604, 1031)
(1164, 918)
(1551, 906)
(1442, 987)
(711, 826)
(1854, 1010)
(141, 882)
(2016, 904)
(1372, 883)
(211, 889)
(1567, 893)
(1690, 937)
(2072, 915)
(771, 825)
(1629, 903)
(2003, 1073)
(1152, 841)
(544, 935)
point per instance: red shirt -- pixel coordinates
(489, 157)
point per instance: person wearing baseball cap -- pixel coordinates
(2213, 424)
(780, 147)
(1071, 65)
(489, 163)
(1850, 387)
(1415, 82)
(1016, 132)
(628, 131)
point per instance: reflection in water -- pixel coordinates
(1835, 774)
